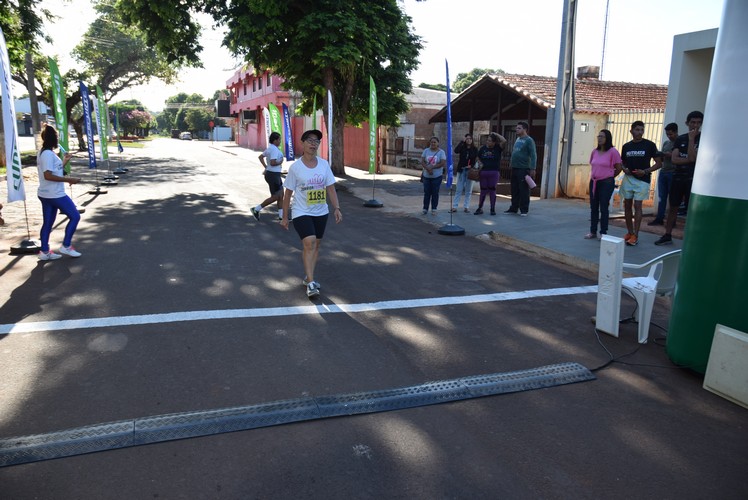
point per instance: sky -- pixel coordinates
(520, 36)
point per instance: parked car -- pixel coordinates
(185, 136)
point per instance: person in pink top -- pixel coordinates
(605, 165)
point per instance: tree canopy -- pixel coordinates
(331, 45)
(433, 86)
(464, 80)
(22, 22)
(189, 112)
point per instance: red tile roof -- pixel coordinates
(591, 95)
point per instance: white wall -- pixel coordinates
(690, 72)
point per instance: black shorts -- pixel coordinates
(306, 226)
(680, 190)
(274, 180)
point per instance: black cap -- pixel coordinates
(306, 135)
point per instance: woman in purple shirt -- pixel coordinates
(605, 165)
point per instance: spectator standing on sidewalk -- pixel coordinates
(685, 151)
(311, 178)
(51, 193)
(489, 158)
(433, 161)
(271, 160)
(467, 153)
(605, 165)
(524, 158)
(637, 156)
(665, 177)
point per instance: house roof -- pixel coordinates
(592, 95)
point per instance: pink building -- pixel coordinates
(252, 91)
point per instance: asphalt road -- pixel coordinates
(176, 237)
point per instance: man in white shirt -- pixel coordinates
(271, 160)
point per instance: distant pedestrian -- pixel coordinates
(467, 153)
(312, 183)
(605, 165)
(665, 176)
(433, 161)
(637, 156)
(271, 160)
(489, 159)
(51, 193)
(685, 151)
(524, 158)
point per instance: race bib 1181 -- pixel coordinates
(316, 196)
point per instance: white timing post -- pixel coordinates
(609, 279)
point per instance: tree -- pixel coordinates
(198, 119)
(23, 29)
(327, 45)
(464, 80)
(135, 122)
(433, 86)
(111, 54)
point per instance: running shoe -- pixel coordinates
(69, 251)
(49, 255)
(666, 239)
(255, 213)
(306, 282)
(312, 290)
(632, 242)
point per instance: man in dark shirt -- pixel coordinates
(637, 156)
(685, 150)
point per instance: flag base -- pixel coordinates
(98, 190)
(451, 230)
(119, 170)
(373, 203)
(26, 247)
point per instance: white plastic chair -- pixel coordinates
(663, 273)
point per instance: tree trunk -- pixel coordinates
(34, 103)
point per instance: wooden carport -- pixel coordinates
(502, 100)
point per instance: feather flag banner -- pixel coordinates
(329, 126)
(88, 124)
(58, 97)
(288, 133)
(372, 126)
(16, 191)
(450, 168)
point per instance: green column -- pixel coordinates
(713, 281)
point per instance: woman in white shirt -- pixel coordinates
(312, 184)
(51, 193)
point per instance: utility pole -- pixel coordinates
(563, 112)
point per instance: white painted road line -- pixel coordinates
(266, 312)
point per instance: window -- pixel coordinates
(259, 83)
(268, 83)
(254, 85)
(245, 88)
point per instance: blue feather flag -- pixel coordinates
(449, 131)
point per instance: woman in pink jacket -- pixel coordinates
(605, 165)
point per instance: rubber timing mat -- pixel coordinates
(160, 428)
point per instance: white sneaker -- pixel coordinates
(70, 251)
(306, 282)
(49, 255)
(312, 289)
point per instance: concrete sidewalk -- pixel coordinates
(554, 228)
